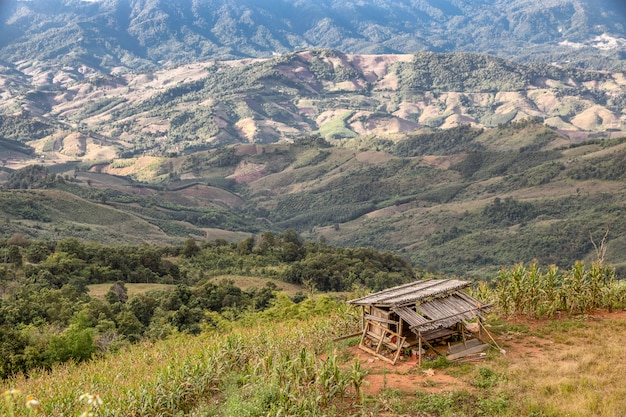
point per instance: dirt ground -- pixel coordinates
(406, 376)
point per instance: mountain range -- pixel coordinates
(149, 34)
(380, 123)
(323, 92)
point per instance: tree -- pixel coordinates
(19, 240)
(12, 345)
(76, 342)
(142, 306)
(37, 252)
(72, 246)
(117, 293)
(245, 246)
(187, 319)
(129, 325)
(190, 248)
(14, 255)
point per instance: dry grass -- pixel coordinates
(243, 282)
(575, 368)
(246, 283)
(100, 290)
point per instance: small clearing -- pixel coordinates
(541, 356)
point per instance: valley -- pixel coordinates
(192, 191)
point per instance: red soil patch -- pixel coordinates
(405, 376)
(248, 150)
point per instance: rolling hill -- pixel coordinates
(462, 201)
(464, 135)
(338, 96)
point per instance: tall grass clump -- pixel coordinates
(529, 290)
(258, 367)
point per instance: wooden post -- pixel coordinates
(364, 334)
(362, 317)
(380, 342)
(419, 352)
(399, 351)
(432, 347)
(462, 327)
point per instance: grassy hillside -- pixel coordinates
(463, 201)
(269, 366)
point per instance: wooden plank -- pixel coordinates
(348, 336)
(395, 359)
(459, 347)
(378, 355)
(419, 360)
(429, 345)
(381, 341)
(467, 352)
(364, 333)
(386, 330)
(391, 345)
(380, 319)
(438, 334)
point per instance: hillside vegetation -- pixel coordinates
(133, 34)
(206, 105)
(47, 315)
(463, 201)
(282, 361)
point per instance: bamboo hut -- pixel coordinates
(417, 314)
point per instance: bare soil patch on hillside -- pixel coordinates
(405, 376)
(374, 157)
(247, 172)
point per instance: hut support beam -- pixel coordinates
(381, 341)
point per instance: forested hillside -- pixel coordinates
(141, 34)
(462, 200)
(48, 316)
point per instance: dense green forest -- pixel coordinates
(47, 315)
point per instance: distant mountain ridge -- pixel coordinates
(141, 34)
(319, 92)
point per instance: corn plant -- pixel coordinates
(527, 290)
(357, 376)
